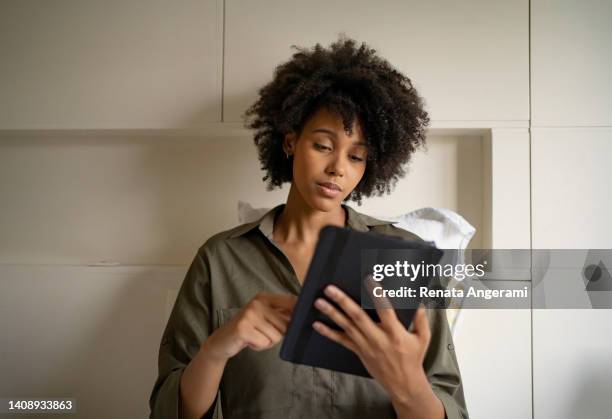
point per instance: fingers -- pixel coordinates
(356, 323)
(260, 333)
(271, 333)
(258, 341)
(264, 320)
(384, 308)
(278, 319)
(284, 302)
(341, 320)
(249, 334)
(266, 306)
(421, 326)
(334, 335)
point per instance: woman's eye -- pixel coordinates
(356, 158)
(321, 147)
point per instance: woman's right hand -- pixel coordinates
(260, 324)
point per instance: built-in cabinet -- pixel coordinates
(470, 60)
(571, 145)
(117, 64)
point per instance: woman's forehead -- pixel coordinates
(326, 121)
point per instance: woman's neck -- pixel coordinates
(298, 223)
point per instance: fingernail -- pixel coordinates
(319, 303)
(331, 290)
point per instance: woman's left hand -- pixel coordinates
(391, 354)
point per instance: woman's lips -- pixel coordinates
(327, 190)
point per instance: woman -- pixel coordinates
(338, 124)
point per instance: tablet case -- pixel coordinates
(337, 260)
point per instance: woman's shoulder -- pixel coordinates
(227, 237)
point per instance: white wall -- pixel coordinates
(155, 200)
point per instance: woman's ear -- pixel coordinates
(289, 143)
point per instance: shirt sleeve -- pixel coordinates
(442, 368)
(188, 326)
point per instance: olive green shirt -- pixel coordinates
(227, 271)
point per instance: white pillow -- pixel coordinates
(446, 228)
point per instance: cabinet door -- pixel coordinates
(88, 333)
(468, 59)
(571, 57)
(572, 349)
(110, 64)
(494, 352)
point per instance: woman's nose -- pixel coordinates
(336, 166)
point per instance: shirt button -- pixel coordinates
(450, 347)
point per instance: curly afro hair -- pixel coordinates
(351, 82)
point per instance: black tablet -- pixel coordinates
(338, 260)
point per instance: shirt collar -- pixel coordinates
(354, 220)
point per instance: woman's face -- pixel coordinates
(328, 163)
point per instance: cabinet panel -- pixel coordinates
(469, 60)
(112, 64)
(572, 359)
(509, 189)
(494, 353)
(571, 209)
(90, 333)
(571, 175)
(571, 41)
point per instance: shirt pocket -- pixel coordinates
(360, 394)
(255, 381)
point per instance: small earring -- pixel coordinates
(287, 154)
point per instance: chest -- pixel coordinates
(300, 257)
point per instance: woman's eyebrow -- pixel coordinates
(334, 136)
